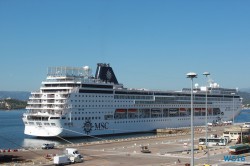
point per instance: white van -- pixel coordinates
(247, 124)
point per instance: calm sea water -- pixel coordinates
(12, 128)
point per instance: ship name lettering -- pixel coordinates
(101, 126)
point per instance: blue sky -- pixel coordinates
(150, 44)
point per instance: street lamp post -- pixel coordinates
(192, 75)
(206, 74)
(241, 134)
(233, 106)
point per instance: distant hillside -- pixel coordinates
(8, 104)
(245, 90)
(19, 95)
(245, 96)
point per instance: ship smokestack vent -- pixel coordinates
(105, 73)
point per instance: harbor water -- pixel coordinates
(12, 132)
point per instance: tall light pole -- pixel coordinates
(241, 134)
(206, 74)
(233, 106)
(192, 75)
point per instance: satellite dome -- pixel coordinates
(86, 68)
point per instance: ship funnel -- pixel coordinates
(105, 73)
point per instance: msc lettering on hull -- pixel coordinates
(101, 126)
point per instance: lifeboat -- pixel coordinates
(183, 110)
(132, 110)
(121, 110)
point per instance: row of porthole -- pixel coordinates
(142, 121)
(40, 124)
(84, 118)
(85, 101)
(93, 96)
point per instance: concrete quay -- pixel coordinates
(166, 150)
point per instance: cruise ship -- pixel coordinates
(72, 102)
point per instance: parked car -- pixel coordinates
(76, 159)
(144, 149)
(48, 146)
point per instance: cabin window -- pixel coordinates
(54, 117)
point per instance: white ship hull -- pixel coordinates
(75, 105)
(106, 127)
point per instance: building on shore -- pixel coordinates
(235, 132)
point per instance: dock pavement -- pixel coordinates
(166, 150)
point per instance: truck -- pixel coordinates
(71, 155)
(48, 146)
(61, 160)
(74, 155)
(72, 152)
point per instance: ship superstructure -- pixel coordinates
(71, 102)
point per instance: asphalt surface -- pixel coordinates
(166, 150)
